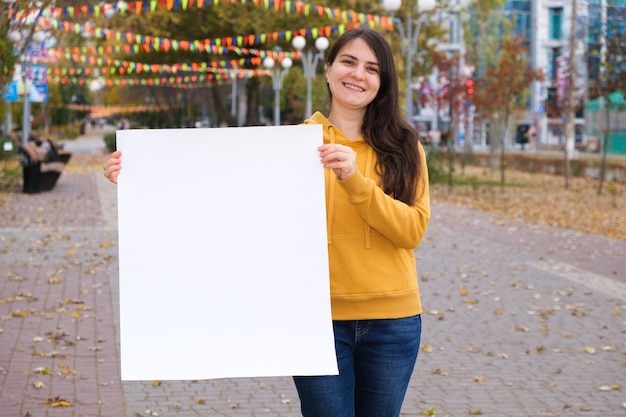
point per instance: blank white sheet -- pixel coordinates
(223, 259)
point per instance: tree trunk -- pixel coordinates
(223, 114)
(504, 135)
(604, 144)
(252, 100)
(495, 135)
(570, 116)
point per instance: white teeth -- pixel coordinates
(354, 87)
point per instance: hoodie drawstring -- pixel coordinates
(368, 171)
(331, 194)
(331, 182)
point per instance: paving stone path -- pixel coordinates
(519, 320)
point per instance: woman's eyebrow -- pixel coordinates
(356, 59)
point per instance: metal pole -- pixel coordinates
(26, 108)
(309, 101)
(408, 37)
(309, 72)
(276, 80)
(309, 64)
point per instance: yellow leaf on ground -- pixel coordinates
(58, 402)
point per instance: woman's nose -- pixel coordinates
(358, 72)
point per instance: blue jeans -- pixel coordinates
(376, 360)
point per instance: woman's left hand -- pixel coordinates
(339, 158)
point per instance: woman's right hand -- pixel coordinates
(113, 166)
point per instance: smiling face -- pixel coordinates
(354, 76)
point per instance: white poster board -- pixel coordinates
(223, 254)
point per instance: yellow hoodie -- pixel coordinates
(371, 239)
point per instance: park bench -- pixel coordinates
(41, 171)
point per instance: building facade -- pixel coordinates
(547, 24)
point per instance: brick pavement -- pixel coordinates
(520, 320)
(57, 338)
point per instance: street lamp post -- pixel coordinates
(38, 38)
(309, 64)
(278, 74)
(409, 42)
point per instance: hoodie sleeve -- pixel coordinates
(402, 224)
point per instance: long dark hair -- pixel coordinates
(393, 139)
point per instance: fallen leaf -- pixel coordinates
(20, 313)
(42, 370)
(58, 402)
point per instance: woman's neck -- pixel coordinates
(349, 122)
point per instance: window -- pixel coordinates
(555, 23)
(554, 55)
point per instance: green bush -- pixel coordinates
(435, 160)
(109, 141)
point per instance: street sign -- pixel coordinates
(36, 85)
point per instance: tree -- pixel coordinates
(451, 94)
(483, 51)
(573, 93)
(215, 22)
(612, 76)
(12, 48)
(501, 94)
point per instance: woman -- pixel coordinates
(377, 213)
(378, 209)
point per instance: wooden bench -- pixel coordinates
(41, 172)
